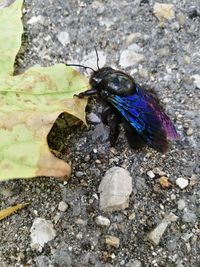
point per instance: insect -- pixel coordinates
(128, 103)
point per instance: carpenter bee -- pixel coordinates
(126, 102)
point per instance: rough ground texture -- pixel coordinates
(171, 58)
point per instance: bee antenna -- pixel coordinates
(97, 57)
(77, 65)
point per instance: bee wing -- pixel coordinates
(142, 112)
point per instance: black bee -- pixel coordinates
(128, 103)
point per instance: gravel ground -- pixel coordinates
(168, 61)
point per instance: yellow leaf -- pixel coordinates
(30, 103)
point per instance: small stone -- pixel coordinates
(132, 37)
(91, 59)
(186, 59)
(92, 117)
(196, 80)
(163, 11)
(155, 235)
(151, 174)
(164, 52)
(42, 231)
(159, 172)
(131, 216)
(173, 196)
(134, 263)
(181, 204)
(102, 221)
(39, 19)
(129, 58)
(189, 217)
(79, 174)
(62, 206)
(114, 189)
(143, 73)
(63, 38)
(182, 182)
(189, 132)
(135, 48)
(112, 241)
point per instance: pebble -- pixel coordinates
(114, 189)
(62, 206)
(63, 38)
(129, 58)
(151, 174)
(189, 216)
(79, 174)
(93, 118)
(42, 231)
(155, 235)
(102, 221)
(112, 241)
(182, 182)
(163, 11)
(134, 263)
(36, 19)
(186, 59)
(159, 172)
(91, 59)
(133, 37)
(189, 132)
(164, 52)
(196, 80)
(181, 204)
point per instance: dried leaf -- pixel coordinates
(30, 104)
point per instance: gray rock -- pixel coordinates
(92, 117)
(129, 58)
(189, 216)
(42, 261)
(62, 257)
(151, 174)
(155, 235)
(63, 38)
(134, 263)
(39, 19)
(113, 241)
(196, 81)
(102, 221)
(42, 231)
(62, 206)
(114, 189)
(182, 182)
(181, 204)
(163, 11)
(100, 132)
(90, 59)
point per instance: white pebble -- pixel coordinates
(181, 204)
(62, 206)
(182, 182)
(42, 231)
(150, 174)
(63, 38)
(102, 221)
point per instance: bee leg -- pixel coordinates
(107, 111)
(134, 138)
(111, 118)
(113, 122)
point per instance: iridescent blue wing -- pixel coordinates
(142, 112)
